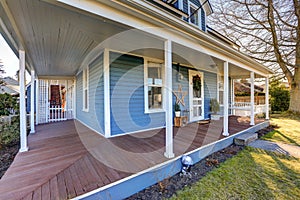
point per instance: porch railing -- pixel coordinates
(244, 108)
(241, 105)
(57, 113)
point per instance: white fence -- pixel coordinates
(244, 108)
(57, 113)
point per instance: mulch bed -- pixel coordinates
(7, 155)
(168, 187)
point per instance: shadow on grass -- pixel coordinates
(271, 134)
(290, 179)
(282, 180)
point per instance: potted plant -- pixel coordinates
(177, 109)
(214, 108)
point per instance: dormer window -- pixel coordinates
(197, 15)
(194, 14)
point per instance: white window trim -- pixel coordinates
(147, 110)
(85, 86)
(191, 73)
(180, 4)
(199, 14)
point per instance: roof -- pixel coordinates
(9, 81)
(221, 37)
(10, 86)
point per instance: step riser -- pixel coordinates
(245, 139)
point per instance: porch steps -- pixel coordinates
(245, 139)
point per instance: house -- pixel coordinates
(10, 86)
(115, 66)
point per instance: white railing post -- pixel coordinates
(225, 100)
(32, 128)
(252, 99)
(168, 99)
(23, 124)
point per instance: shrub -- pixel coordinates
(10, 133)
(280, 97)
(7, 103)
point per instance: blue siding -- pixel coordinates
(183, 81)
(127, 96)
(95, 116)
(210, 91)
(28, 99)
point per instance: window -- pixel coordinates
(194, 14)
(153, 86)
(220, 89)
(85, 85)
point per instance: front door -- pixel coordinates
(196, 95)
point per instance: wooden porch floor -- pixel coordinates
(66, 159)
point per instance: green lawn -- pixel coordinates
(252, 174)
(287, 130)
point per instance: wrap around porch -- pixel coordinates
(67, 159)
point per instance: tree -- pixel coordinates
(268, 31)
(1, 72)
(280, 96)
(7, 104)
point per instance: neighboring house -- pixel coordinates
(10, 86)
(113, 65)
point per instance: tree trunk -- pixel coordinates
(295, 92)
(294, 101)
(295, 84)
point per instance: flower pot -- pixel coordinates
(215, 117)
(177, 113)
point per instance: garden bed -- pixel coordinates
(168, 187)
(7, 155)
(9, 142)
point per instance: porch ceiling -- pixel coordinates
(55, 39)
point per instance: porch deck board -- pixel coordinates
(66, 159)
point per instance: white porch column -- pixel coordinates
(252, 99)
(23, 128)
(225, 100)
(232, 96)
(168, 99)
(37, 102)
(267, 97)
(32, 130)
(107, 129)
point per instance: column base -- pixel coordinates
(225, 134)
(32, 132)
(23, 149)
(167, 155)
